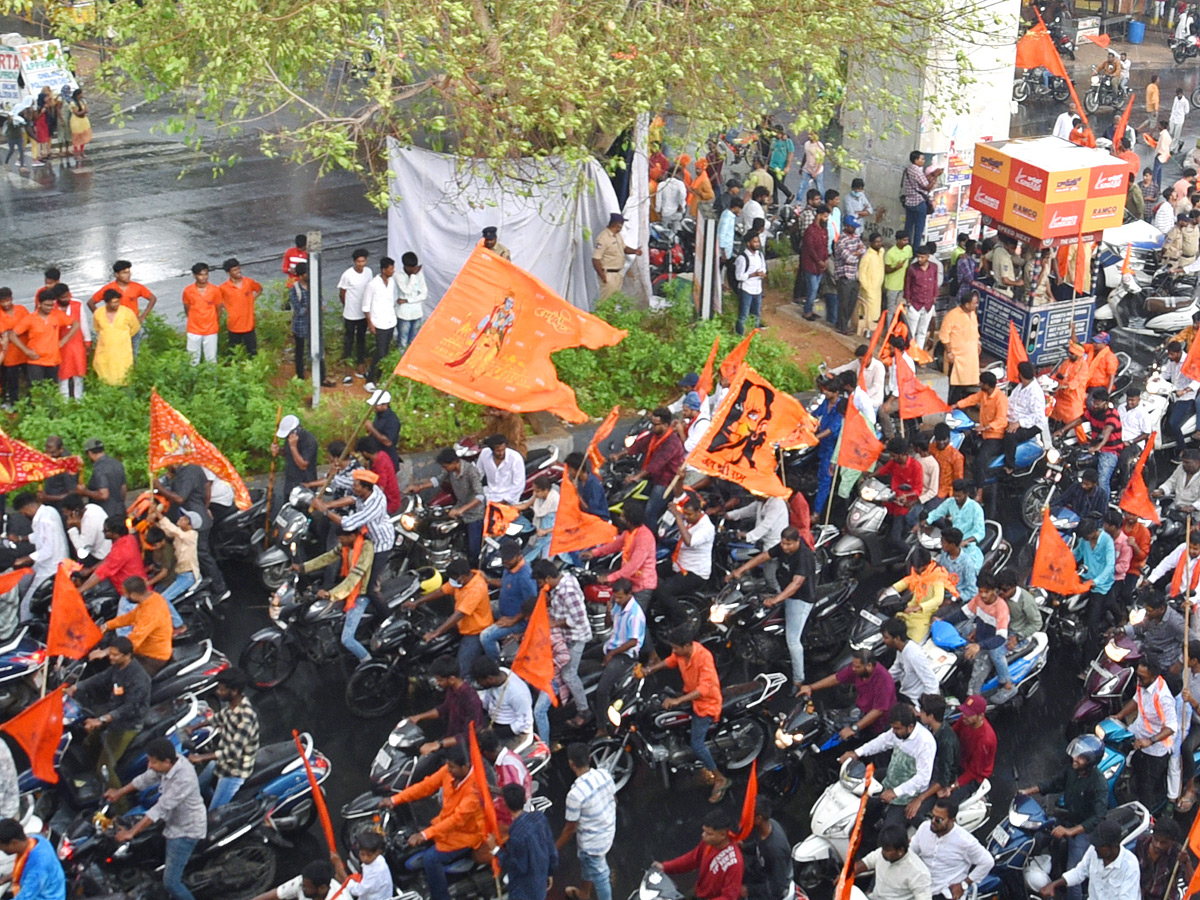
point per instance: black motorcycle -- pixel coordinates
(661, 737)
(293, 538)
(428, 535)
(1105, 92)
(1030, 84)
(805, 738)
(240, 535)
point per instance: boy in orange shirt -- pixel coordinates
(472, 610)
(238, 294)
(41, 338)
(12, 366)
(201, 301)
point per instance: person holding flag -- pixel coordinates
(376, 882)
(987, 438)
(717, 859)
(767, 856)
(830, 417)
(1184, 562)
(592, 499)
(516, 589)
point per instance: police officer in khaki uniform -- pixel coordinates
(489, 241)
(608, 259)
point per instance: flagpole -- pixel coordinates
(271, 481)
(1187, 596)
(341, 460)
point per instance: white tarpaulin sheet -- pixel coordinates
(548, 218)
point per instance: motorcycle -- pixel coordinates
(22, 671)
(1183, 49)
(1109, 684)
(805, 738)
(233, 537)
(644, 730)
(294, 539)
(819, 857)
(1105, 92)
(539, 461)
(1030, 84)
(1064, 618)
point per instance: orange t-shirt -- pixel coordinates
(201, 306)
(950, 467)
(130, 294)
(41, 335)
(152, 631)
(472, 601)
(699, 674)
(1072, 386)
(8, 321)
(239, 304)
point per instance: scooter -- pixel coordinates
(1110, 681)
(293, 539)
(819, 857)
(864, 546)
(944, 649)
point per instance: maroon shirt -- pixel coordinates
(977, 754)
(921, 286)
(664, 460)
(876, 691)
(814, 249)
(460, 707)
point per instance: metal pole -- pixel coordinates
(316, 348)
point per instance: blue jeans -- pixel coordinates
(796, 613)
(474, 540)
(1157, 171)
(180, 586)
(914, 224)
(137, 341)
(748, 305)
(226, 787)
(491, 637)
(469, 647)
(656, 505)
(350, 626)
(1106, 464)
(541, 715)
(593, 867)
(179, 851)
(406, 332)
(700, 726)
(434, 862)
(812, 284)
(831, 307)
(806, 180)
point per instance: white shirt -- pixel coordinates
(905, 879)
(1027, 405)
(412, 291)
(222, 491)
(696, 429)
(88, 539)
(1164, 217)
(1170, 561)
(746, 262)
(891, 375)
(913, 674)
(49, 542)
(1172, 373)
(1149, 723)
(1063, 126)
(293, 890)
(1184, 27)
(1183, 487)
(932, 478)
(376, 882)
(670, 198)
(770, 518)
(379, 302)
(1179, 110)
(1133, 422)
(506, 481)
(1120, 881)
(951, 858)
(920, 745)
(509, 704)
(697, 558)
(355, 286)
(862, 402)
(752, 210)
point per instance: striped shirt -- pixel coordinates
(567, 604)
(627, 624)
(373, 513)
(592, 804)
(343, 482)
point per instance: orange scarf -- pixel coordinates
(922, 583)
(675, 557)
(1158, 710)
(355, 878)
(349, 561)
(627, 549)
(655, 442)
(19, 866)
(1177, 578)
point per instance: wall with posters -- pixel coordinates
(10, 73)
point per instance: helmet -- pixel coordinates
(431, 579)
(1087, 746)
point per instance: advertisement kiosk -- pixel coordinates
(1045, 192)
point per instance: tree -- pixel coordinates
(331, 80)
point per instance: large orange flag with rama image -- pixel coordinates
(175, 441)
(859, 447)
(1136, 498)
(534, 663)
(20, 464)
(917, 399)
(38, 729)
(491, 337)
(573, 528)
(739, 445)
(1054, 568)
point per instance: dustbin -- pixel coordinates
(1137, 31)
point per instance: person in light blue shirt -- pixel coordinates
(41, 876)
(516, 589)
(1095, 551)
(856, 205)
(727, 227)
(956, 562)
(961, 512)
(623, 646)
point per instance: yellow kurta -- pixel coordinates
(870, 286)
(919, 622)
(960, 334)
(114, 344)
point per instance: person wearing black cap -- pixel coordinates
(489, 241)
(608, 257)
(226, 770)
(238, 294)
(1111, 871)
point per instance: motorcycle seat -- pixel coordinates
(180, 658)
(270, 761)
(1128, 818)
(536, 457)
(738, 696)
(234, 813)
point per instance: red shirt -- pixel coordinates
(124, 560)
(800, 517)
(907, 480)
(719, 872)
(381, 465)
(977, 751)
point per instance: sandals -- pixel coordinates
(1186, 802)
(719, 792)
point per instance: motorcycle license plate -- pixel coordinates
(382, 760)
(281, 520)
(872, 618)
(999, 835)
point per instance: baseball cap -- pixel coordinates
(975, 705)
(194, 518)
(689, 381)
(616, 219)
(1101, 338)
(692, 400)
(93, 445)
(287, 425)
(378, 397)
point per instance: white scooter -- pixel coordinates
(819, 857)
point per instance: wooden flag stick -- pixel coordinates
(271, 481)
(341, 460)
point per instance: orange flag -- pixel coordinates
(593, 454)
(38, 729)
(705, 384)
(317, 794)
(1191, 363)
(739, 445)
(1054, 567)
(175, 441)
(804, 434)
(573, 528)
(479, 777)
(877, 337)
(1136, 498)
(1100, 40)
(491, 337)
(1149, 140)
(1125, 267)
(917, 399)
(1036, 50)
(746, 823)
(20, 464)
(729, 365)
(497, 517)
(534, 663)
(846, 879)
(1194, 845)
(1016, 353)
(859, 448)
(1081, 268)
(72, 632)
(1117, 135)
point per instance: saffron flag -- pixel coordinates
(573, 528)
(1036, 50)
(1125, 267)
(534, 663)
(736, 356)
(593, 454)
(1053, 565)
(20, 464)
(72, 632)
(317, 794)
(846, 879)
(804, 434)
(479, 778)
(859, 447)
(491, 337)
(1193, 842)
(1191, 363)
(1016, 353)
(917, 399)
(739, 445)
(877, 337)
(746, 823)
(1118, 134)
(38, 729)
(705, 384)
(497, 517)
(1100, 40)
(174, 441)
(1136, 498)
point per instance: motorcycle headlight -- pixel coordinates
(629, 439)
(783, 739)
(614, 716)
(408, 522)
(720, 612)
(1137, 616)
(868, 494)
(1053, 456)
